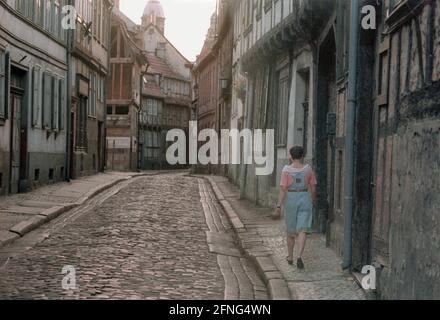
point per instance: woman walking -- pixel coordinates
(297, 198)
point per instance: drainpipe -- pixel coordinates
(249, 116)
(350, 133)
(69, 97)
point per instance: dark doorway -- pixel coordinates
(18, 140)
(364, 157)
(325, 143)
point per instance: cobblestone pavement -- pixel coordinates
(147, 238)
(322, 278)
(21, 207)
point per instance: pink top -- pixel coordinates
(287, 180)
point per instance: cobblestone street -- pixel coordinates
(155, 237)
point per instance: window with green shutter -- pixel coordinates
(36, 101)
(62, 105)
(47, 100)
(55, 104)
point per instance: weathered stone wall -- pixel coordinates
(413, 271)
(44, 162)
(415, 227)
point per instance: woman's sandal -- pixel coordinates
(300, 264)
(289, 261)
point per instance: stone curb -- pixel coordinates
(24, 227)
(275, 282)
(100, 189)
(7, 237)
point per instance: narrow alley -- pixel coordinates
(145, 238)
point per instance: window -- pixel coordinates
(102, 88)
(99, 20)
(96, 3)
(105, 25)
(55, 104)
(47, 100)
(48, 15)
(100, 82)
(283, 106)
(98, 88)
(109, 110)
(39, 12)
(63, 104)
(122, 111)
(36, 100)
(56, 18)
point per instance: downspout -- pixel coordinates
(69, 96)
(249, 115)
(350, 133)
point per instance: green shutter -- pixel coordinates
(55, 103)
(47, 100)
(36, 101)
(63, 104)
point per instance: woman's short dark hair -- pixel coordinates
(297, 153)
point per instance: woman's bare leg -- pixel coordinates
(302, 238)
(290, 246)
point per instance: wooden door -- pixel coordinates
(383, 150)
(16, 105)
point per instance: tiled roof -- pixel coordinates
(159, 66)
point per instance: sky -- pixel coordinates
(186, 25)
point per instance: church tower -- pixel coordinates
(154, 14)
